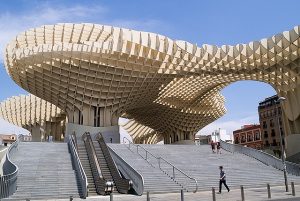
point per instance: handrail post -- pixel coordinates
(269, 190)
(242, 193)
(213, 193)
(293, 188)
(159, 162)
(173, 172)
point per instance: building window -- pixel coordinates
(280, 121)
(237, 140)
(274, 143)
(257, 136)
(273, 133)
(271, 123)
(264, 125)
(267, 143)
(243, 140)
(266, 134)
(249, 137)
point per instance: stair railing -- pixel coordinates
(78, 166)
(123, 185)
(186, 181)
(268, 159)
(8, 181)
(74, 139)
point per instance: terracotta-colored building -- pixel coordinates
(7, 139)
(249, 135)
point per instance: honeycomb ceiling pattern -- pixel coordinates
(28, 110)
(142, 134)
(170, 86)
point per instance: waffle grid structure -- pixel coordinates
(97, 73)
(38, 116)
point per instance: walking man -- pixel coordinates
(212, 144)
(222, 180)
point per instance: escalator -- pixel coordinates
(108, 166)
(103, 186)
(102, 173)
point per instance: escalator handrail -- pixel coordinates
(78, 166)
(93, 152)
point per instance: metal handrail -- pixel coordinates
(78, 166)
(158, 159)
(268, 159)
(8, 182)
(74, 138)
(139, 186)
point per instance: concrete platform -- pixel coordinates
(251, 194)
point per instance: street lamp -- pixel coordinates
(279, 101)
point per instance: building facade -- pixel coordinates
(270, 118)
(7, 139)
(249, 135)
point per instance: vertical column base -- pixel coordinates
(111, 134)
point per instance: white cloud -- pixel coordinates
(12, 24)
(229, 126)
(7, 128)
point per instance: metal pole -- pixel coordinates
(182, 195)
(148, 196)
(159, 162)
(269, 190)
(282, 151)
(111, 197)
(242, 193)
(213, 193)
(293, 188)
(173, 172)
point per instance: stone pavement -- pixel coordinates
(254, 194)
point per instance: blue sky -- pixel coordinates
(201, 22)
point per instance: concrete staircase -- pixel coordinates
(45, 171)
(200, 163)
(86, 167)
(154, 179)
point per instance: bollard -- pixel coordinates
(213, 193)
(293, 189)
(242, 193)
(148, 196)
(182, 195)
(111, 197)
(269, 190)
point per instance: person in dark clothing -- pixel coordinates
(212, 144)
(218, 148)
(222, 180)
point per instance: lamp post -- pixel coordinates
(279, 101)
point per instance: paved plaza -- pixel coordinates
(254, 194)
